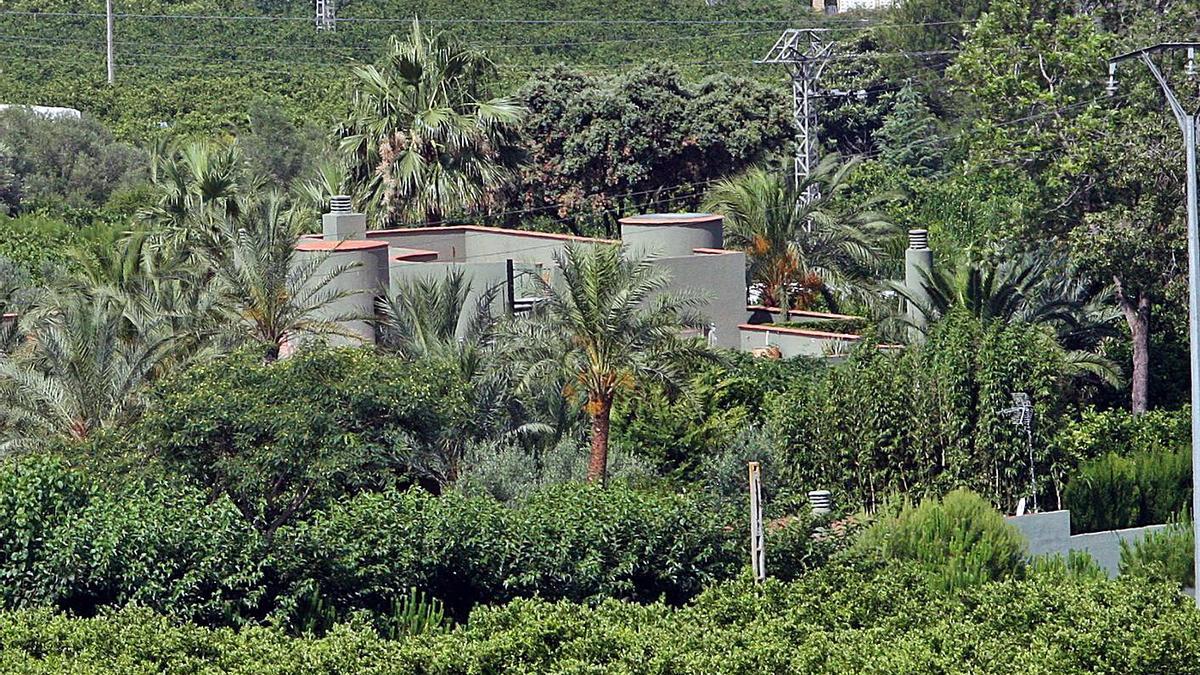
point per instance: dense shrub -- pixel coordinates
(72, 543)
(1138, 470)
(573, 541)
(961, 540)
(1165, 554)
(928, 419)
(1114, 492)
(281, 439)
(834, 621)
(680, 433)
(68, 542)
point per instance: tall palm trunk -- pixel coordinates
(601, 407)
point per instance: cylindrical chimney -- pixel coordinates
(339, 204)
(918, 272)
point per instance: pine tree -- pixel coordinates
(906, 136)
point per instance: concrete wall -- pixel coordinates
(363, 278)
(449, 243)
(491, 246)
(793, 342)
(672, 234)
(1050, 534)
(480, 276)
(721, 280)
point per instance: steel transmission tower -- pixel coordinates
(806, 53)
(326, 15)
(1189, 124)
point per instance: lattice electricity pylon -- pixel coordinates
(1021, 415)
(326, 15)
(806, 54)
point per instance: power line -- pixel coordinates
(829, 24)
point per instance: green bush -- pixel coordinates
(70, 542)
(282, 439)
(572, 541)
(1137, 470)
(838, 620)
(961, 540)
(1165, 554)
(1114, 492)
(680, 434)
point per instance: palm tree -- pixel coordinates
(800, 250)
(198, 186)
(1031, 287)
(154, 286)
(423, 141)
(272, 293)
(610, 325)
(76, 372)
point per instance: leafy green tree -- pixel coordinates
(610, 324)
(908, 135)
(281, 439)
(278, 147)
(60, 163)
(424, 141)
(643, 140)
(801, 252)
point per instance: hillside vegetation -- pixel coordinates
(182, 65)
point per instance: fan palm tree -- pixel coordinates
(801, 250)
(610, 324)
(198, 186)
(423, 140)
(1030, 287)
(272, 293)
(76, 373)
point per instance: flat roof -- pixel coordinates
(670, 218)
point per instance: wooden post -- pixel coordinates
(758, 558)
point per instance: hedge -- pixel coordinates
(838, 620)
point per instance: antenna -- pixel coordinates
(326, 15)
(1021, 415)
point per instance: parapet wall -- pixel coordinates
(1050, 533)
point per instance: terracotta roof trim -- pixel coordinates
(344, 245)
(671, 219)
(802, 313)
(764, 328)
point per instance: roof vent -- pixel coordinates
(918, 240)
(339, 204)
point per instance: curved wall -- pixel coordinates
(673, 234)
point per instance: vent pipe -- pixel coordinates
(918, 240)
(918, 271)
(342, 223)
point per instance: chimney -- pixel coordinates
(342, 223)
(918, 267)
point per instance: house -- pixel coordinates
(499, 264)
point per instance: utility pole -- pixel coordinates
(758, 557)
(108, 39)
(806, 54)
(1187, 123)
